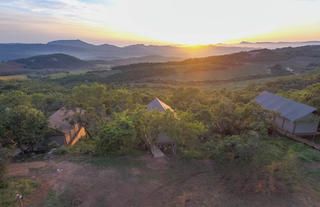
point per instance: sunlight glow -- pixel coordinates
(187, 22)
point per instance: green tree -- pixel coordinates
(184, 129)
(148, 125)
(89, 103)
(117, 136)
(23, 127)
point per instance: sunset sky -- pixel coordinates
(189, 22)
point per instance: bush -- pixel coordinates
(5, 155)
(53, 144)
(61, 151)
(13, 186)
(84, 146)
(2, 170)
(192, 154)
(234, 148)
(117, 137)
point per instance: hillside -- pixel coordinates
(11, 68)
(226, 152)
(135, 60)
(256, 63)
(54, 61)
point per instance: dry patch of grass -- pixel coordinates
(145, 181)
(13, 77)
(13, 186)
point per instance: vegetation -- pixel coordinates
(53, 61)
(13, 186)
(220, 124)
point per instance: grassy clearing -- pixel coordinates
(42, 170)
(13, 77)
(64, 74)
(63, 199)
(12, 186)
(118, 162)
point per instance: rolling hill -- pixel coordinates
(256, 63)
(63, 63)
(54, 61)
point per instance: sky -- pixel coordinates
(183, 22)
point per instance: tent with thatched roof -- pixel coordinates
(64, 123)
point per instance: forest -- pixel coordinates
(224, 125)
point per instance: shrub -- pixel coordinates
(192, 154)
(235, 148)
(61, 151)
(53, 144)
(13, 186)
(5, 155)
(116, 137)
(84, 146)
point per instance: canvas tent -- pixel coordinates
(293, 117)
(68, 130)
(162, 139)
(157, 104)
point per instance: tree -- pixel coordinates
(117, 136)
(233, 118)
(23, 127)
(183, 129)
(13, 99)
(90, 100)
(148, 125)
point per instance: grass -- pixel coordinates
(64, 74)
(52, 200)
(62, 200)
(42, 170)
(13, 186)
(119, 162)
(13, 77)
(215, 74)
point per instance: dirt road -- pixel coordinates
(139, 182)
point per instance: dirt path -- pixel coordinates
(136, 182)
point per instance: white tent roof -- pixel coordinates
(157, 104)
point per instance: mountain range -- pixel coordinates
(86, 51)
(274, 45)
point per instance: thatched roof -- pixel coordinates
(288, 109)
(61, 120)
(157, 104)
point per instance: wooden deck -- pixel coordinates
(299, 139)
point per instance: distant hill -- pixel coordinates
(11, 68)
(135, 60)
(63, 63)
(54, 61)
(274, 45)
(86, 51)
(251, 64)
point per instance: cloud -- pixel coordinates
(180, 21)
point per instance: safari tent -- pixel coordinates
(68, 131)
(292, 117)
(162, 139)
(157, 104)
